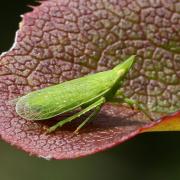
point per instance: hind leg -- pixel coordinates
(88, 119)
(71, 118)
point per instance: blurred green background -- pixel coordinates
(150, 156)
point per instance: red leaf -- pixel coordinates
(61, 40)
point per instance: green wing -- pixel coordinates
(64, 97)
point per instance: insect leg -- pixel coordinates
(88, 119)
(119, 93)
(69, 119)
(119, 97)
(131, 103)
(139, 106)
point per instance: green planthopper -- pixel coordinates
(89, 92)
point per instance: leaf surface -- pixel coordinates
(61, 40)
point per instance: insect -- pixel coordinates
(89, 92)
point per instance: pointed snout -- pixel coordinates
(125, 66)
